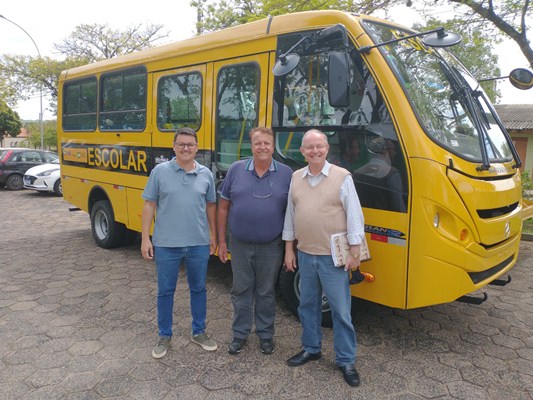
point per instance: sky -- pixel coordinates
(49, 22)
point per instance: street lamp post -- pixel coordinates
(41, 85)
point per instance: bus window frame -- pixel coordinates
(102, 114)
(79, 82)
(254, 60)
(173, 74)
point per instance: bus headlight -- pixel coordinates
(436, 221)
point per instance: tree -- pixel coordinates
(99, 42)
(507, 18)
(49, 135)
(10, 122)
(23, 76)
(225, 13)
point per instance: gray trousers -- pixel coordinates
(255, 272)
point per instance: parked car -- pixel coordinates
(44, 178)
(14, 162)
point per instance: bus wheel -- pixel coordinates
(289, 285)
(107, 233)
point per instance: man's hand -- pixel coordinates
(290, 258)
(223, 252)
(147, 250)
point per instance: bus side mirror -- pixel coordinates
(339, 79)
(521, 78)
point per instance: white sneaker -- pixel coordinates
(161, 348)
(203, 340)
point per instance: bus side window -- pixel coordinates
(236, 112)
(123, 101)
(179, 99)
(79, 105)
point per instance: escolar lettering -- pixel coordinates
(110, 157)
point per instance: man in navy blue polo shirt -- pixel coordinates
(253, 198)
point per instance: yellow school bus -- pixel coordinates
(436, 172)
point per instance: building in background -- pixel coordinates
(518, 120)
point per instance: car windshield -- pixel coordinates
(449, 103)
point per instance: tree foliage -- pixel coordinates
(216, 15)
(504, 18)
(49, 135)
(22, 77)
(95, 42)
(10, 122)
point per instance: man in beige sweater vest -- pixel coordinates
(323, 201)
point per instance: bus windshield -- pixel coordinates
(449, 103)
(361, 136)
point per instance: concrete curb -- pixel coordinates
(527, 237)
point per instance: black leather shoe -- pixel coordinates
(350, 374)
(235, 347)
(303, 357)
(267, 346)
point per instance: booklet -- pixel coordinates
(340, 249)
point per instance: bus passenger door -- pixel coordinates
(239, 104)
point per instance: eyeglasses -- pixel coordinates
(320, 146)
(183, 145)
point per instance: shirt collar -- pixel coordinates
(324, 171)
(250, 165)
(178, 167)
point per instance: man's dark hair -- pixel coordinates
(186, 131)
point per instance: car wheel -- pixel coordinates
(14, 182)
(289, 285)
(2, 184)
(58, 188)
(107, 233)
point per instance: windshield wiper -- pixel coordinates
(464, 95)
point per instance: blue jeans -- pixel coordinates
(168, 261)
(255, 272)
(317, 273)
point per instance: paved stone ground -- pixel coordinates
(78, 322)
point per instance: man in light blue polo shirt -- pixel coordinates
(183, 194)
(253, 198)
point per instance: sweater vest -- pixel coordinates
(318, 210)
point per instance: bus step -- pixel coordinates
(501, 282)
(74, 209)
(472, 299)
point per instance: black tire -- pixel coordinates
(2, 184)
(14, 182)
(289, 287)
(58, 188)
(107, 233)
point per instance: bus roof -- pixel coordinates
(264, 28)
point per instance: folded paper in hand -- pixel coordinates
(340, 249)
